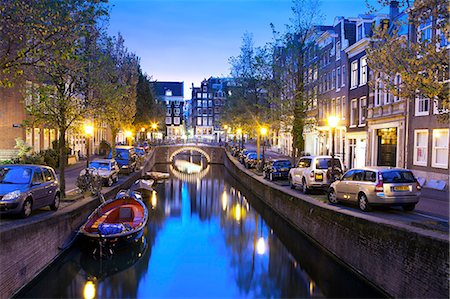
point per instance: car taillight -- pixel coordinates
(311, 174)
(379, 185)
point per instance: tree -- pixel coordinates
(289, 101)
(31, 30)
(61, 101)
(421, 61)
(247, 105)
(115, 89)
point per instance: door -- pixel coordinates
(342, 187)
(353, 186)
(38, 190)
(50, 185)
(387, 147)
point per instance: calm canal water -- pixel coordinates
(207, 237)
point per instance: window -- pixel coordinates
(397, 83)
(354, 77)
(439, 157)
(333, 79)
(205, 95)
(199, 121)
(176, 120)
(339, 79)
(176, 111)
(338, 108)
(169, 112)
(344, 108)
(353, 113)
(316, 72)
(420, 147)
(344, 74)
(363, 71)
(168, 120)
(338, 50)
(359, 32)
(379, 92)
(370, 176)
(314, 103)
(348, 176)
(425, 31)
(422, 106)
(205, 103)
(304, 163)
(362, 111)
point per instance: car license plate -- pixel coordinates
(401, 188)
(319, 177)
(283, 169)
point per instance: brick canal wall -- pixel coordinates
(404, 261)
(29, 247)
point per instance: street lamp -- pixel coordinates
(239, 132)
(263, 131)
(154, 127)
(88, 131)
(333, 122)
(128, 135)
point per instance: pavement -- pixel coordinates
(433, 203)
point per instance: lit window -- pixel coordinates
(420, 147)
(440, 148)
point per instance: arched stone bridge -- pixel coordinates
(166, 153)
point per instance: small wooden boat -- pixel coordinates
(142, 186)
(155, 175)
(117, 220)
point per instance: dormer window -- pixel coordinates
(168, 93)
(359, 32)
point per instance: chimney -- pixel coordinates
(393, 9)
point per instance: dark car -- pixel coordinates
(25, 188)
(126, 158)
(278, 168)
(243, 153)
(251, 160)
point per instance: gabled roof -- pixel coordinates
(160, 88)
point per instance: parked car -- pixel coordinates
(126, 158)
(243, 153)
(377, 186)
(140, 151)
(108, 169)
(276, 168)
(250, 160)
(25, 188)
(313, 172)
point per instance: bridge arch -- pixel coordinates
(190, 148)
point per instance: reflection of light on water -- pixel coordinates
(187, 167)
(154, 199)
(192, 178)
(224, 200)
(89, 290)
(261, 246)
(311, 287)
(238, 212)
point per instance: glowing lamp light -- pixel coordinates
(225, 127)
(89, 130)
(142, 129)
(154, 126)
(263, 131)
(89, 290)
(261, 246)
(333, 121)
(128, 134)
(239, 131)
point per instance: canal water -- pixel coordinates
(207, 237)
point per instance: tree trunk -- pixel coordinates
(113, 142)
(62, 161)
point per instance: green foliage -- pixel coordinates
(23, 148)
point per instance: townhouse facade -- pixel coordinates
(172, 94)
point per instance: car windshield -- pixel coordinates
(398, 176)
(122, 155)
(15, 175)
(100, 165)
(282, 164)
(325, 163)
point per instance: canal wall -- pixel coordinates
(30, 245)
(404, 261)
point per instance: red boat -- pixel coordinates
(116, 220)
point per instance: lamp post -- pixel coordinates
(88, 131)
(128, 135)
(225, 129)
(154, 127)
(263, 131)
(332, 123)
(239, 132)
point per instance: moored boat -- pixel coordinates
(115, 221)
(156, 175)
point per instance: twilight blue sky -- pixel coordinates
(189, 40)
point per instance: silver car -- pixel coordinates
(377, 186)
(24, 188)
